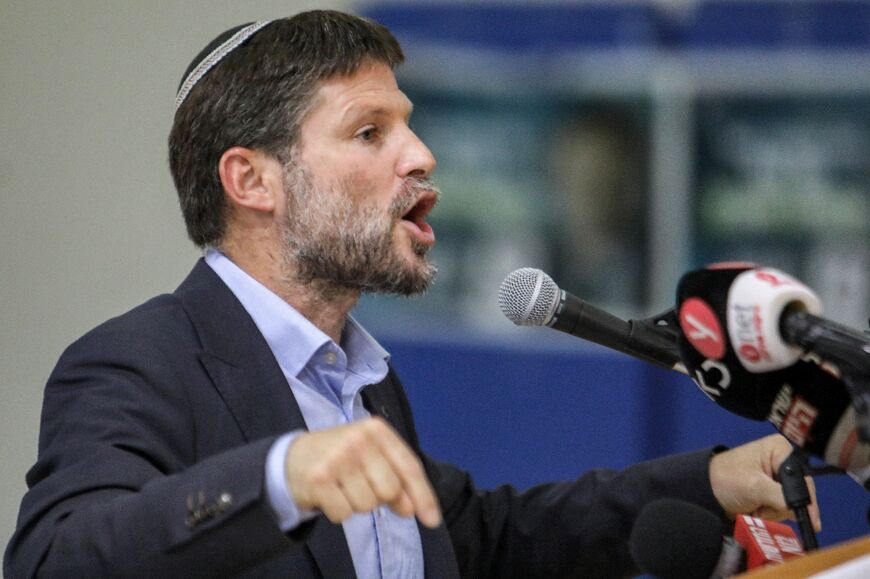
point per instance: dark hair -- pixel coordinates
(257, 97)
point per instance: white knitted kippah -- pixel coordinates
(207, 59)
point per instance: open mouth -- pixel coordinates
(415, 218)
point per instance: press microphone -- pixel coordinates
(773, 319)
(530, 297)
(744, 334)
(729, 341)
(677, 539)
(674, 539)
(766, 542)
(849, 349)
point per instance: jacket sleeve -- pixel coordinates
(577, 528)
(118, 490)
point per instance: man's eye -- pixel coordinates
(368, 134)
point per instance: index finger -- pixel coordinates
(411, 475)
(813, 507)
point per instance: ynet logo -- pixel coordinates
(748, 322)
(774, 279)
(701, 328)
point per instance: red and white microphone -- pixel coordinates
(766, 542)
(732, 343)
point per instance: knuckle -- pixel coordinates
(377, 426)
(374, 426)
(319, 475)
(387, 493)
(356, 441)
(391, 488)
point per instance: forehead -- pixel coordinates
(372, 89)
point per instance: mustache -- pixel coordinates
(412, 189)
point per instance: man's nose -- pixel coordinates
(416, 159)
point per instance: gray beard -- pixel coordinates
(330, 238)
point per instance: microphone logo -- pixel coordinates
(766, 542)
(793, 415)
(770, 276)
(702, 329)
(756, 302)
(799, 420)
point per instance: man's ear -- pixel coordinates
(251, 178)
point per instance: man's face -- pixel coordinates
(358, 191)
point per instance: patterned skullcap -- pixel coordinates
(212, 54)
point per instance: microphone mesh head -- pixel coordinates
(528, 297)
(674, 539)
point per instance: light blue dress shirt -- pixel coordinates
(327, 380)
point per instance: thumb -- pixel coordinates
(770, 500)
(774, 507)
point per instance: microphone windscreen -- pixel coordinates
(528, 297)
(724, 324)
(676, 539)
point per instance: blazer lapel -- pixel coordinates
(329, 548)
(378, 400)
(250, 381)
(439, 559)
(260, 402)
(237, 358)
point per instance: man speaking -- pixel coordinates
(246, 424)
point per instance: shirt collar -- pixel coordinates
(293, 339)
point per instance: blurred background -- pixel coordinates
(613, 144)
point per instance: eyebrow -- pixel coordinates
(356, 111)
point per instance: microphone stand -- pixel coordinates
(792, 473)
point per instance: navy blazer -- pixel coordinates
(154, 434)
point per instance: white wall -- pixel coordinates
(89, 223)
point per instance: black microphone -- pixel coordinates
(674, 539)
(744, 333)
(846, 347)
(529, 297)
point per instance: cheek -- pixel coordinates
(366, 187)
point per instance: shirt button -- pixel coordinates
(331, 358)
(224, 501)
